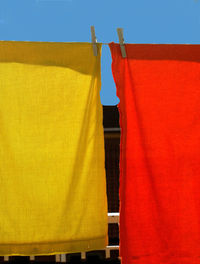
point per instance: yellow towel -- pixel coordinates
(52, 176)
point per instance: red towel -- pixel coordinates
(159, 91)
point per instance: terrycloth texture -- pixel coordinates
(52, 176)
(159, 91)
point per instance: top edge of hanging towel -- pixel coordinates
(102, 43)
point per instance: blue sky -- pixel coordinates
(144, 21)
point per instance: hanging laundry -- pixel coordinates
(159, 91)
(52, 176)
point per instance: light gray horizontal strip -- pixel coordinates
(112, 129)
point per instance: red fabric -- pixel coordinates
(159, 91)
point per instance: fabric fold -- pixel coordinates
(52, 173)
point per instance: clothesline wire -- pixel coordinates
(101, 43)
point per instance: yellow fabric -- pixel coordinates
(52, 176)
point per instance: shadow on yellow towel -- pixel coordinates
(52, 177)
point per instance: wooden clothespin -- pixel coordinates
(94, 41)
(121, 41)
